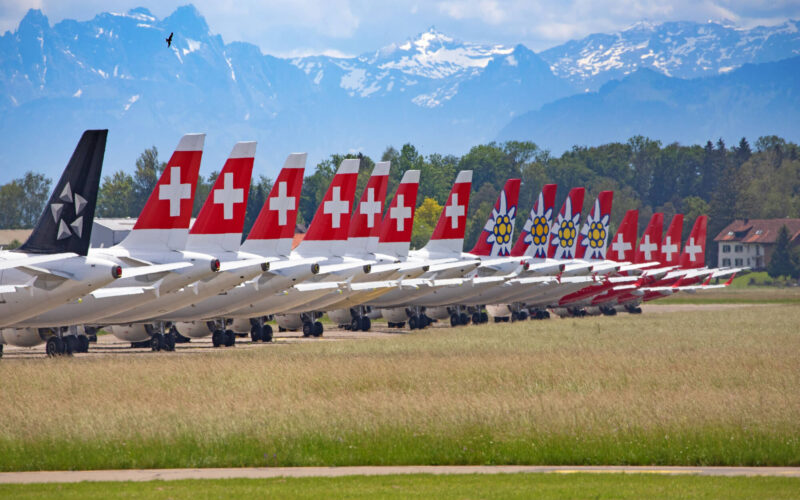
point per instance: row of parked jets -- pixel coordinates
(169, 280)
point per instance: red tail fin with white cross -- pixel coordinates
(448, 236)
(164, 221)
(221, 219)
(694, 250)
(651, 240)
(671, 245)
(495, 239)
(365, 224)
(622, 244)
(327, 233)
(273, 230)
(395, 236)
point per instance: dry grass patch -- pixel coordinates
(694, 387)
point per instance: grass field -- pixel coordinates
(541, 486)
(737, 293)
(701, 387)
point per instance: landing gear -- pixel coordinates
(56, 347)
(179, 339)
(83, 343)
(1, 351)
(608, 311)
(308, 329)
(260, 331)
(633, 309)
(230, 338)
(218, 338)
(318, 329)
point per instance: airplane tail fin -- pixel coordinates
(396, 228)
(448, 235)
(564, 231)
(66, 221)
(671, 244)
(647, 250)
(495, 239)
(273, 229)
(694, 250)
(622, 244)
(164, 221)
(536, 232)
(593, 238)
(327, 233)
(365, 224)
(221, 219)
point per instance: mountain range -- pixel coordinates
(688, 82)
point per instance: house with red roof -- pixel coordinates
(750, 242)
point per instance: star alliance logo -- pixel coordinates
(66, 228)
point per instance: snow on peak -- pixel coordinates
(435, 55)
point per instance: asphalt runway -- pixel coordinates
(272, 472)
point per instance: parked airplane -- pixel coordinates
(52, 267)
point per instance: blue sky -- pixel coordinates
(349, 27)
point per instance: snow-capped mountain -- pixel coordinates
(441, 94)
(679, 49)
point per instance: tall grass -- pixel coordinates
(700, 387)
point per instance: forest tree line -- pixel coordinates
(725, 182)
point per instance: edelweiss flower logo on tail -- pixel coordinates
(500, 227)
(565, 232)
(537, 228)
(594, 233)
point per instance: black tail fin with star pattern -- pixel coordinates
(66, 222)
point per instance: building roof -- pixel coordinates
(9, 235)
(758, 230)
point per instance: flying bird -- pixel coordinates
(169, 41)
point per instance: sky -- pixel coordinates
(351, 27)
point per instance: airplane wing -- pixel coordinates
(33, 260)
(233, 265)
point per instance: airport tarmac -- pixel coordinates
(273, 472)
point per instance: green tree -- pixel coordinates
(259, 190)
(22, 201)
(425, 219)
(116, 197)
(145, 177)
(783, 262)
(202, 191)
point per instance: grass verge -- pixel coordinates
(707, 387)
(541, 486)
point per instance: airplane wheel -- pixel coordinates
(218, 338)
(83, 343)
(266, 334)
(514, 316)
(464, 317)
(523, 315)
(169, 341)
(318, 329)
(400, 325)
(412, 323)
(255, 333)
(366, 323)
(54, 347)
(1, 351)
(230, 338)
(454, 320)
(497, 319)
(476, 318)
(484, 317)
(308, 329)
(355, 325)
(281, 329)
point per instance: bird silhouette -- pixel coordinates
(169, 41)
